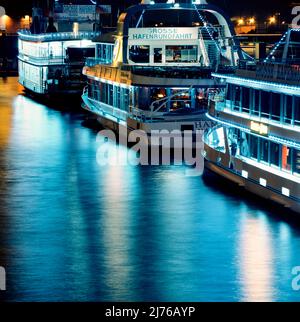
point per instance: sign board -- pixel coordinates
(259, 128)
(74, 12)
(136, 34)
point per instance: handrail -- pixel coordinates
(203, 49)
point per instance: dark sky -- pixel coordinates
(233, 7)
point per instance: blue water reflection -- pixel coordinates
(72, 230)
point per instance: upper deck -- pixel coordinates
(170, 34)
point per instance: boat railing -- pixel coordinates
(162, 102)
(25, 34)
(43, 60)
(186, 72)
(137, 113)
(271, 71)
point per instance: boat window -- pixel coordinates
(265, 104)
(55, 49)
(157, 55)
(125, 99)
(144, 101)
(296, 162)
(288, 110)
(103, 92)
(294, 52)
(256, 102)
(181, 54)
(181, 100)
(276, 106)
(139, 54)
(286, 158)
(117, 102)
(230, 93)
(105, 52)
(216, 139)
(158, 93)
(201, 101)
(274, 154)
(237, 98)
(245, 99)
(233, 141)
(244, 144)
(297, 111)
(264, 150)
(254, 147)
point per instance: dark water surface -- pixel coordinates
(72, 230)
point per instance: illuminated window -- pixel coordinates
(216, 139)
(244, 145)
(286, 158)
(181, 54)
(233, 141)
(180, 101)
(201, 101)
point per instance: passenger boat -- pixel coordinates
(52, 52)
(256, 142)
(154, 73)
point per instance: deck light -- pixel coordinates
(285, 192)
(245, 174)
(263, 182)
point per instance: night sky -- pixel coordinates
(233, 7)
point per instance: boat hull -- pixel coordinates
(109, 117)
(250, 184)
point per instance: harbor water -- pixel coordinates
(73, 230)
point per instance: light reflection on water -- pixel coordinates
(72, 230)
